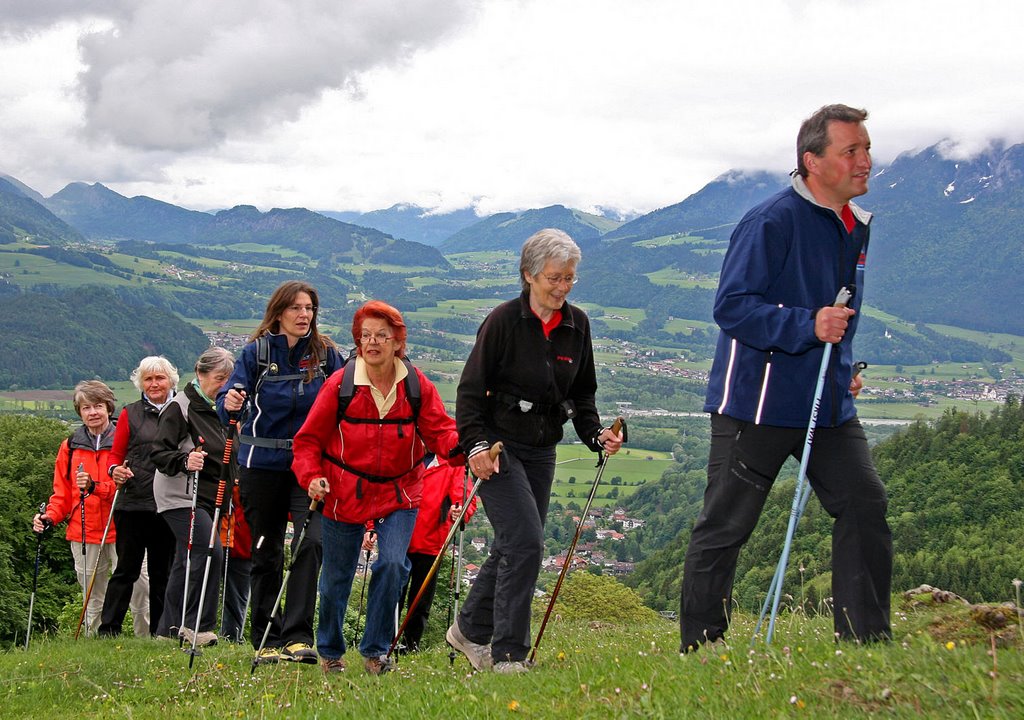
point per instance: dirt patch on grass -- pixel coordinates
(39, 395)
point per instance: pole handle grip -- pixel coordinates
(313, 504)
(496, 449)
(845, 296)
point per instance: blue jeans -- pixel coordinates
(341, 543)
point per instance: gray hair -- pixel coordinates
(542, 246)
(154, 364)
(813, 135)
(214, 359)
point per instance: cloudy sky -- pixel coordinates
(499, 104)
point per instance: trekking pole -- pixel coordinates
(225, 471)
(314, 505)
(618, 426)
(227, 553)
(451, 591)
(462, 537)
(35, 574)
(81, 507)
(192, 477)
(805, 496)
(495, 450)
(457, 574)
(802, 493)
(96, 565)
(362, 590)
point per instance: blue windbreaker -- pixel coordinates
(277, 410)
(788, 257)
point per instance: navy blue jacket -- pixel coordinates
(787, 258)
(277, 410)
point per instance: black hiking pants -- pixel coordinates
(497, 609)
(270, 498)
(744, 461)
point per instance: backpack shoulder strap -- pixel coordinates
(262, 353)
(347, 387)
(412, 390)
(71, 452)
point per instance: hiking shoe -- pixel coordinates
(332, 665)
(268, 656)
(512, 667)
(204, 638)
(479, 656)
(299, 652)
(377, 665)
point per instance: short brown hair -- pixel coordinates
(94, 391)
(813, 135)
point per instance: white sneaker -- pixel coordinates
(479, 656)
(512, 667)
(205, 638)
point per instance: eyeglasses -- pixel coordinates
(559, 279)
(379, 338)
(296, 309)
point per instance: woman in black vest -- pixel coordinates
(141, 532)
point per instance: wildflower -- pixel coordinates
(513, 705)
(560, 657)
(950, 645)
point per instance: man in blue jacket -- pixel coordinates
(787, 260)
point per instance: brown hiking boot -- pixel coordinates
(332, 665)
(377, 665)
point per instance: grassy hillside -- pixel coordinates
(940, 665)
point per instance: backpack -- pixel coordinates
(345, 392)
(412, 394)
(267, 370)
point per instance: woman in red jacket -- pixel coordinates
(367, 465)
(80, 476)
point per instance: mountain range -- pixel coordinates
(947, 241)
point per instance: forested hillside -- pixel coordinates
(956, 507)
(26, 479)
(89, 332)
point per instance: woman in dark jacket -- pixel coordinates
(280, 371)
(531, 369)
(190, 439)
(141, 532)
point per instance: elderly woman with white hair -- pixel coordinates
(188, 453)
(531, 369)
(142, 535)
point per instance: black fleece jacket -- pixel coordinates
(513, 361)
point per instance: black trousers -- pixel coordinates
(179, 520)
(269, 497)
(417, 622)
(744, 461)
(497, 609)
(138, 532)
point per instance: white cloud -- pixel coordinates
(516, 104)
